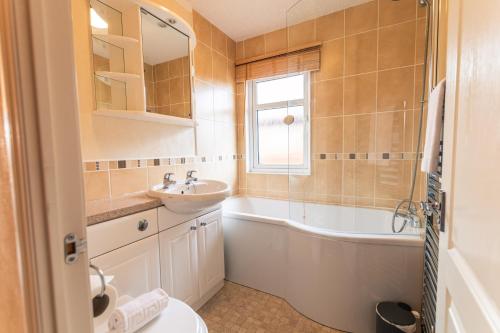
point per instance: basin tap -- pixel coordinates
(189, 177)
(168, 180)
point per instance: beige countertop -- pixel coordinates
(103, 210)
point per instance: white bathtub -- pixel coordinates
(333, 266)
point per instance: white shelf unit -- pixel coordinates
(124, 77)
(123, 42)
(147, 116)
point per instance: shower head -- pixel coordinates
(424, 3)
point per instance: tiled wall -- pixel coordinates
(168, 88)
(364, 105)
(216, 133)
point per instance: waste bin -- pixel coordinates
(393, 317)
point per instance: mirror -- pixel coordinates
(167, 75)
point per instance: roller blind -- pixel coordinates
(304, 60)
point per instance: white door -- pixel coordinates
(178, 262)
(135, 267)
(211, 250)
(469, 258)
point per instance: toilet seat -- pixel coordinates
(178, 317)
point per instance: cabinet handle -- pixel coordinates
(193, 227)
(203, 224)
(142, 225)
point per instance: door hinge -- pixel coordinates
(73, 247)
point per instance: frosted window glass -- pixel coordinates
(279, 90)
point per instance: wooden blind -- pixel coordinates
(299, 61)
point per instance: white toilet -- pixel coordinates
(132, 268)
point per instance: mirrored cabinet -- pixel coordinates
(142, 62)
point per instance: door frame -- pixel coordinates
(37, 74)
(455, 274)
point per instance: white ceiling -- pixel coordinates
(242, 19)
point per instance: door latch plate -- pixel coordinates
(73, 247)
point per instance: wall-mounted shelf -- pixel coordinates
(124, 77)
(121, 41)
(147, 116)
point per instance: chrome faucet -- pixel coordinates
(168, 179)
(189, 177)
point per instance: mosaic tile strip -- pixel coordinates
(143, 163)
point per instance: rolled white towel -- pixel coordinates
(133, 315)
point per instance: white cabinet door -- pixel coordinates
(210, 250)
(135, 267)
(178, 261)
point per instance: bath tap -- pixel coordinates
(168, 180)
(189, 177)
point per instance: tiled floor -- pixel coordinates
(240, 309)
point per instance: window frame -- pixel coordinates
(253, 165)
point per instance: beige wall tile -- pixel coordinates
(328, 177)
(301, 33)
(231, 49)
(360, 94)
(257, 182)
(392, 179)
(330, 26)
(359, 133)
(364, 177)
(395, 89)
(255, 47)
(160, 71)
(202, 29)
(419, 69)
(241, 144)
(327, 135)
(96, 185)
(420, 43)
(392, 12)
(175, 68)
(219, 41)
(361, 18)
(176, 90)
(186, 89)
(276, 41)
(242, 174)
(177, 110)
(206, 141)
(328, 98)
(162, 93)
(156, 174)
(148, 73)
(277, 183)
(397, 46)
(240, 109)
(124, 181)
(361, 53)
(240, 50)
(219, 68)
(203, 62)
(390, 132)
(332, 60)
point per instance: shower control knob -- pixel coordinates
(142, 225)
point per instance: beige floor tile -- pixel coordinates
(240, 309)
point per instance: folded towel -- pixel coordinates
(133, 315)
(433, 130)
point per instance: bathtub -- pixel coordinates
(331, 263)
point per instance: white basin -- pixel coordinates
(192, 198)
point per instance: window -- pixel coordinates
(273, 146)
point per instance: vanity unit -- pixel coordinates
(183, 254)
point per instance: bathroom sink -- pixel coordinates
(192, 198)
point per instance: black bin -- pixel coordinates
(395, 317)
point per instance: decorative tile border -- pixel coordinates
(359, 156)
(143, 163)
(365, 156)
